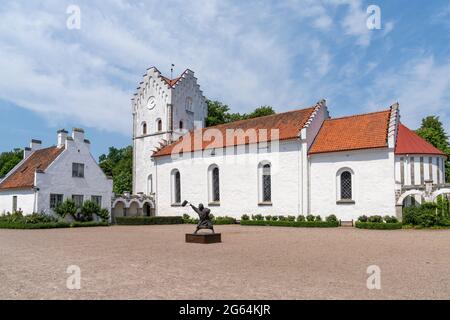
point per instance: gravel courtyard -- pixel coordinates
(153, 262)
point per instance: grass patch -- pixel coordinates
(293, 224)
(135, 221)
(378, 225)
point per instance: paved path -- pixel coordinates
(153, 262)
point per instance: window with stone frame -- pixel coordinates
(266, 183)
(215, 185)
(346, 186)
(176, 187)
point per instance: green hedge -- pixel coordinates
(131, 221)
(295, 224)
(379, 225)
(224, 220)
(50, 225)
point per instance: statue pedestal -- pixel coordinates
(204, 238)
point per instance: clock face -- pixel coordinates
(151, 103)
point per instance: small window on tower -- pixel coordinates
(189, 104)
(181, 125)
(159, 125)
(144, 128)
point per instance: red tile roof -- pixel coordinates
(409, 142)
(365, 131)
(289, 125)
(23, 176)
(170, 82)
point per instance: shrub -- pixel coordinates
(301, 224)
(103, 214)
(140, 220)
(427, 218)
(318, 218)
(331, 218)
(291, 218)
(268, 218)
(390, 219)
(301, 218)
(274, 218)
(39, 218)
(375, 219)
(224, 220)
(411, 215)
(282, 218)
(245, 217)
(87, 211)
(378, 225)
(363, 218)
(68, 207)
(257, 217)
(310, 217)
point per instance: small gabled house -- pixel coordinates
(47, 176)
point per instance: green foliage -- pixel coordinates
(268, 218)
(378, 225)
(87, 211)
(282, 218)
(50, 225)
(310, 217)
(331, 218)
(294, 224)
(427, 215)
(224, 220)
(443, 207)
(118, 164)
(274, 218)
(218, 113)
(291, 218)
(301, 218)
(257, 217)
(318, 218)
(8, 160)
(245, 217)
(390, 219)
(363, 218)
(433, 131)
(68, 207)
(140, 220)
(103, 214)
(375, 219)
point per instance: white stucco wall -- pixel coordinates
(373, 183)
(238, 181)
(58, 178)
(25, 200)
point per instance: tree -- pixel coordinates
(118, 164)
(8, 160)
(433, 131)
(218, 113)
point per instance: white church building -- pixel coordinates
(297, 162)
(47, 176)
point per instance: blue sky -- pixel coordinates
(288, 54)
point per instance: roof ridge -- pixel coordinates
(262, 117)
(359, 115)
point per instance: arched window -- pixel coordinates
(159, 125)
(181, 125)
(144, 128)
(176, 186)
(346, 186)
(265, 183)
(214, 183)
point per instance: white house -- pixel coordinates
(48, 176)
(297, 162)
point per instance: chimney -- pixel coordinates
(35, 144)
(78, 135)
(62, 136)
(26, 152)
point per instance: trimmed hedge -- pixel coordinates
(378, 225)
(224, 220)
(50, 225)
(132, 221)
(294, 224)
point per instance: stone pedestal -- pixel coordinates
(204, 238)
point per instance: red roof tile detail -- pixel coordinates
(170, 82)
(409, 142)
(288, 124)
(23, 176)
(365, 131)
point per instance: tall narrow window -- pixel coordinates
(430, 168)
(14, 204)
(267, 183)
(159, 125)
(215, 185)
(402, 170)
(422, 172)
(181, 125)
(346, 186)
(176, 187)
(438, 166)
(150, 184)
(144, 128)
(413, 170)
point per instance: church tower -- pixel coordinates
(163, 110)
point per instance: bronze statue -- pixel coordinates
(204, 217)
